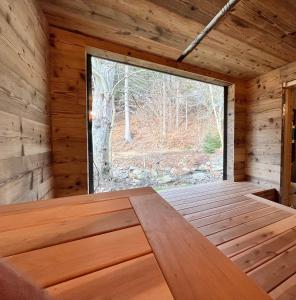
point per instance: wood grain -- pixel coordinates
(235, 221)
(60, 231)
(211, 205)
(166, 29)
(68, 102)
(60, 213)
(13, 209)
(256, 256)
(190, 269)
(25, 147)
(139, 278)
(256, 237)
(275, 271)
(286, 290)
(264, 118)
(227, 214)
(47, 266)
(237, 231)
(217, 210)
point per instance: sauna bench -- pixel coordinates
(129, 244)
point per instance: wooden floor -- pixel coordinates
(121, 245)
(258, 235)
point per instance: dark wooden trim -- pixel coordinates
(225, 133)
(89, 125)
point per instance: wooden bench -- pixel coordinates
(258, 235)
(122, 245)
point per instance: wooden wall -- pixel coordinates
(264, 125)
(68, 107)
(25, 150)
(68, 104)
(236, 123)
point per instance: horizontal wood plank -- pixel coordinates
(227, 214)
(237, 231)
(258, 255)
(61, 212)
(274, 272)
(55, 264)
(139, 278)
(217, 210)
(235, 221)
(261, 235)
(61, 231)
(80, 199)
(193, 269)
(286, 290)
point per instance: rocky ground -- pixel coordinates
(174, 169)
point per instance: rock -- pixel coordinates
(120, 174)
(143, 176)
(217, 163)
(217, 167)
(173, 170)
(154, 173)
(203, 167)
(137, 172)
(200, 176)
(165, 179)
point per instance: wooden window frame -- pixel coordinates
(286, 151)
(102, 55)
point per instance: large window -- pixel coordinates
(148, 128)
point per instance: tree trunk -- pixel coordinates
(127, 129)
(102, 128)
(177, 105)
(163, 108)
(217, 119)
(186, 114)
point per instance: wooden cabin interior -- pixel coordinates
(234, 239)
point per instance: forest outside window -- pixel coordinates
(148, 128)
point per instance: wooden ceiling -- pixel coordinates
(255, 37)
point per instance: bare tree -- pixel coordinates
(127, 128)
(164, 107)
(177, 103)
(186, 113)
(160, 105)
(103, 116)
(218, 116)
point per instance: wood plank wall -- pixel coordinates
(264, 125)
(25, 150)
(236, 132)
(68, 105)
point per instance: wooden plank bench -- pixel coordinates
(121, 245)
(258, 235)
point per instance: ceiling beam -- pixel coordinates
(213, 23)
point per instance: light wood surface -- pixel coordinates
(120, 245)
(68, 102)
(177, 245)
(258, 33)
(285, 291)
(286, 164)
(39, 236)
(25, 150)
(264, 139)
(46, 267)
(139, 278)
(257, 234)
